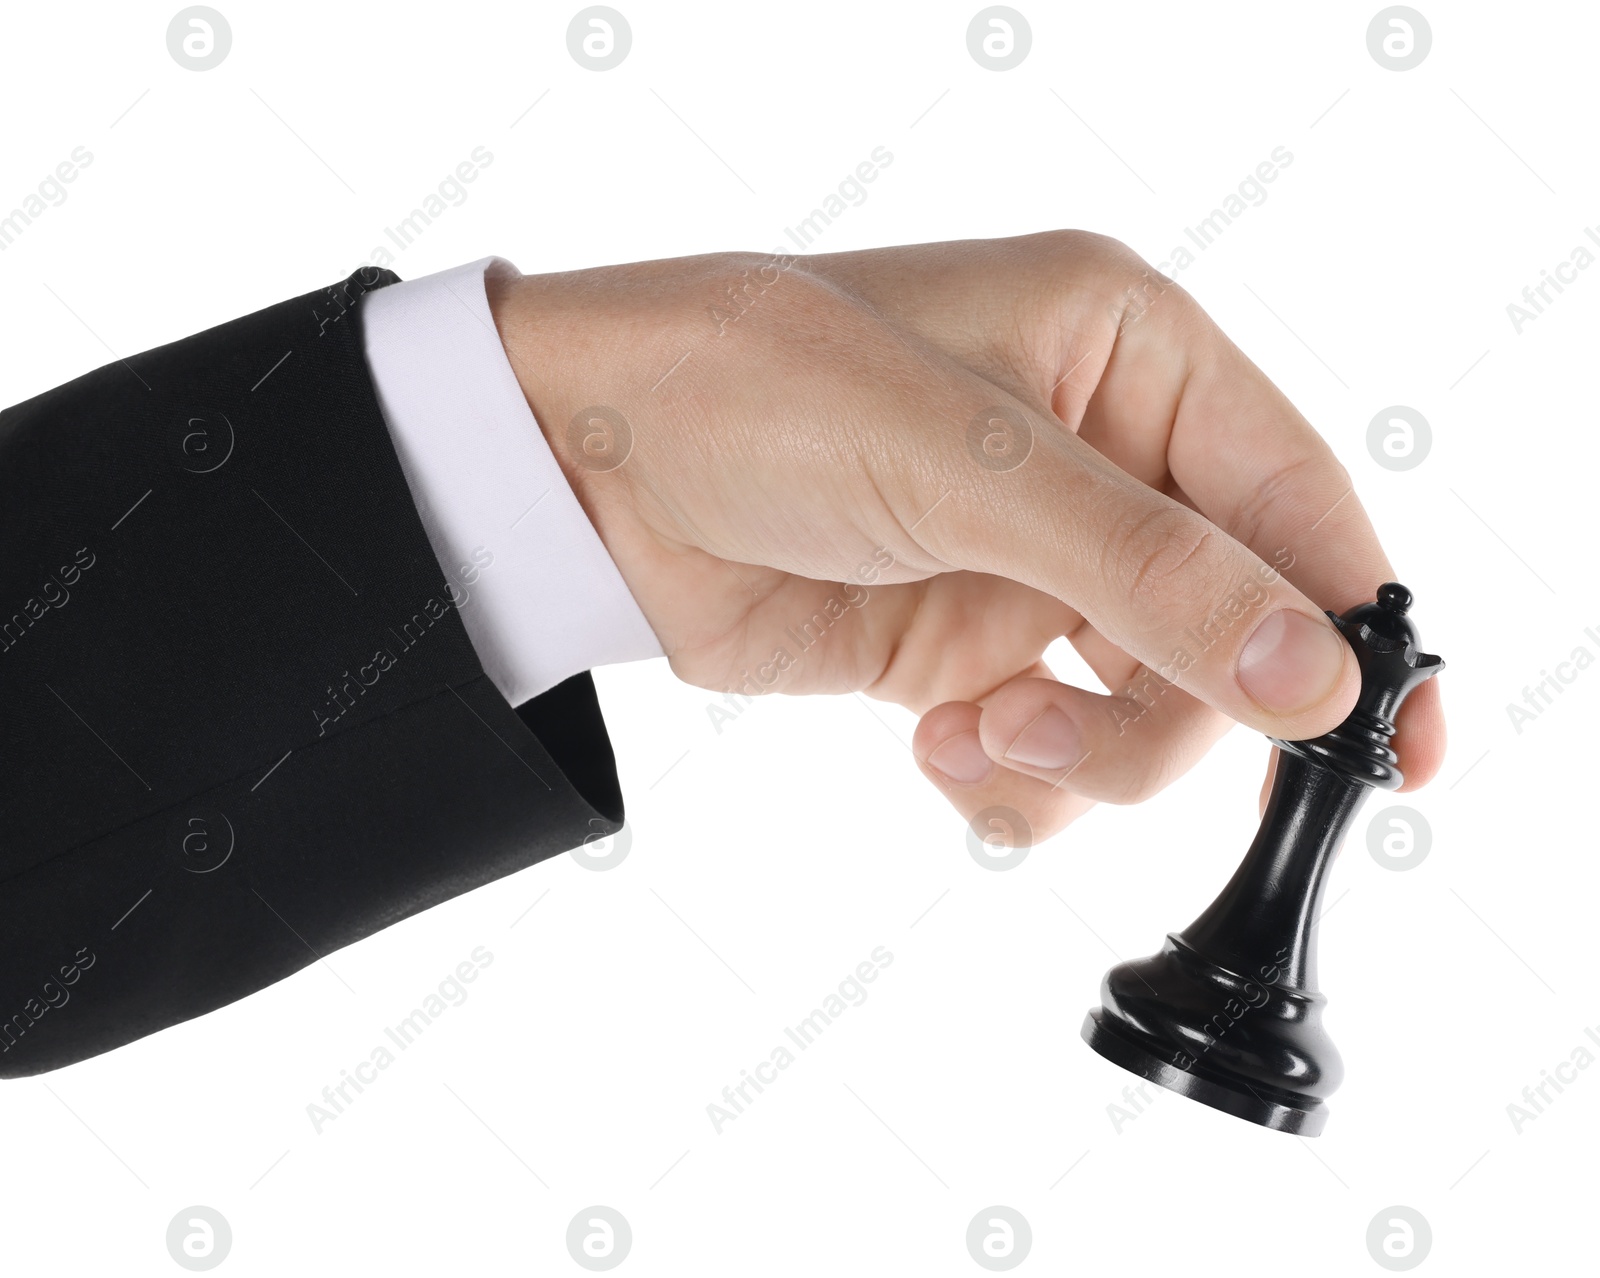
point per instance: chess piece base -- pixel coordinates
(1281, 1111)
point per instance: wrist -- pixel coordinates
(575, 351)
(545, 344)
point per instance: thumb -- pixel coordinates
(1156, 579)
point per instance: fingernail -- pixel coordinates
(962, 759)
(1291, 661)
(1050, 742)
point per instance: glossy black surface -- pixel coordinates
(1228, 1012)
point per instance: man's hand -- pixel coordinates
(906, 471)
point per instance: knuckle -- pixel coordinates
(1149, 774)
(1077, 243)
(1187, 314)
(1097, 275)
(1282, 498)
(1159, 553)
(1174, 317)
(1077, 259)
(1257, 509)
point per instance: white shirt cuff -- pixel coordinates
(537, 591)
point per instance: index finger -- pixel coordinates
(1179, 405)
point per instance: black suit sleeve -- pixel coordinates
(241, 724)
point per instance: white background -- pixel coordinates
(800, 837)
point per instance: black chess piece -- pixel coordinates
(1228, 1013)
